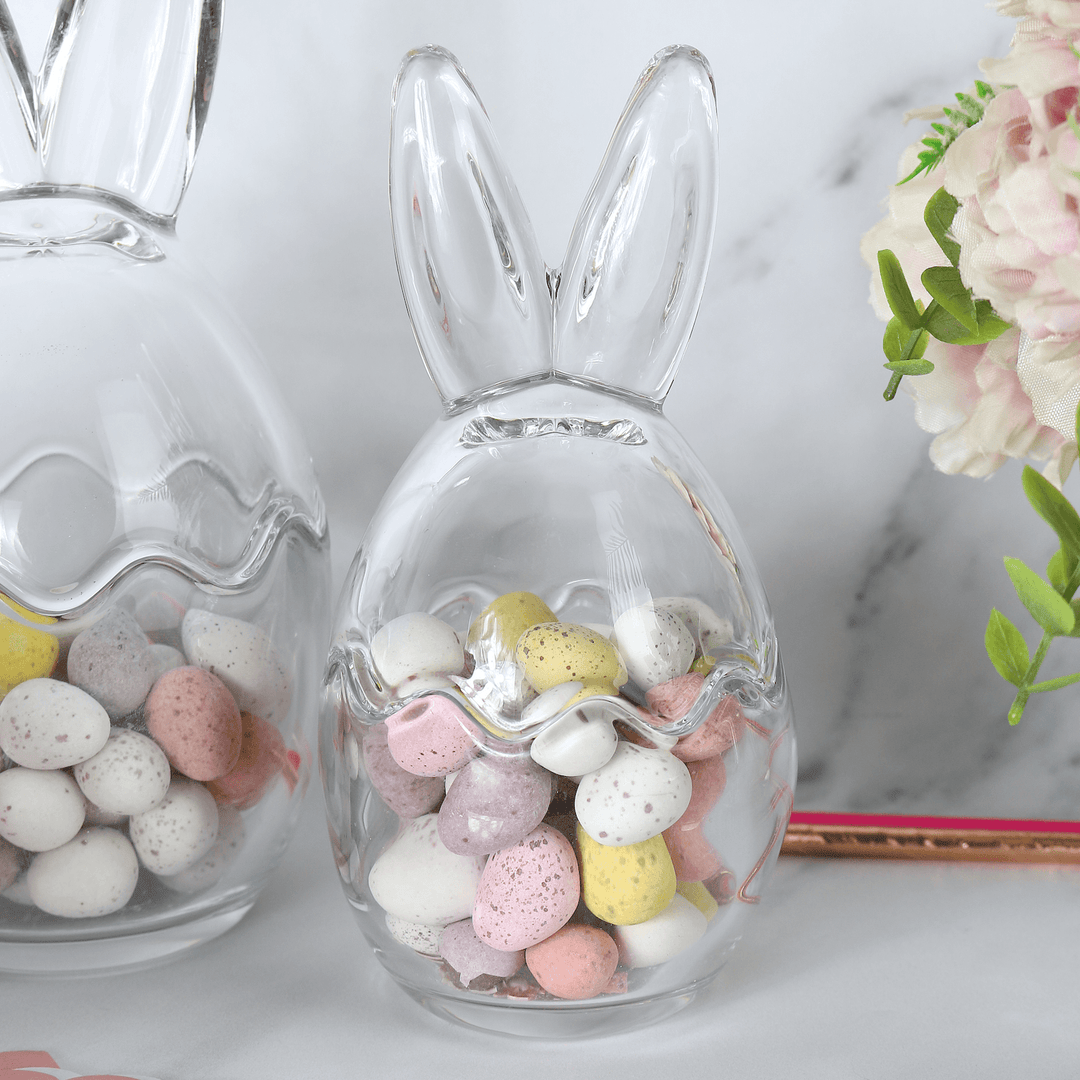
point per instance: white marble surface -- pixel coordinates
(881, 572)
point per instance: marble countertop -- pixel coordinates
(880, 571)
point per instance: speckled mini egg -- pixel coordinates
(659, 939)
(625, 885)
(655, 645)
(716, 734)
(418, 880)
(128, 775)
(113, 663)
(692, 853)
(430, 736)
(177, 832)
(639, 793)
(420, 937)
(708, 629)
(527, 891)
(470, 957)
(193, 717)
(700, 897)
(93, 874)
(243, 657)
(408, 795)
(494, 633)
(47, 724)
(416, 644)
(39, 810)
(210, 869)
(262, 751)
(494, 802)
(166, 658)
(575, 963)
(576, 743)
(555, 652)
(25, 653)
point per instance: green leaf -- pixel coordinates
(1006, 648)
(1046, 607)
(991, 325)
(1075, 605)
(939, 214)
(1054, 509)
(944, 285)
(897, 339)
(896, 290)
(1059, 569)
(910, 367)
(947, 328)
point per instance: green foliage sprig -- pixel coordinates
(968, 115)
(953, 314)
(1050, 602)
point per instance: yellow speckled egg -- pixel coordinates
(495, 631)
(554, 652)
(25, 654)
(625, 885)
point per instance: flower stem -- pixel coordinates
(909, 349)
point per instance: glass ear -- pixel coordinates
(150, 62)
(635, 266)
(474, 282)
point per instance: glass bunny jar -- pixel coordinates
(556, 743)
(163, 548)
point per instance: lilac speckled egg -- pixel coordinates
(527, 891)
(494, 802)
(470, 957)
(112, 661)
(430, 736)
(419, 881)
(407, 794)
(243, 657)
(128, 775)
(39, 810)
(637, 795)
(192, 716)
(179, 831)
(47, 724)
(93, 874)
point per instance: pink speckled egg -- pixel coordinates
(720, 731)
(431, 736)
(262, 752)
(192, 716)
(527, 891)
(407, 794)
(692, 855)
(576, 962)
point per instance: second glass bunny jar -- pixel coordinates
(557, 741)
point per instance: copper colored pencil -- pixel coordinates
(898, 836)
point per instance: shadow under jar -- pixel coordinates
(556, 741)
(163, 546)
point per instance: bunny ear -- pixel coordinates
(635, 266)
(18, 110)
(124, 93)
(474, 283)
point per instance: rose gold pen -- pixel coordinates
(898, 836)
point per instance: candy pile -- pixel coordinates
(574, 847)
(128, 751)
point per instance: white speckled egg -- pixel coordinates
(212, 866)
(243, 657)
(417, 879)
(47, 724)
(708, 629)
(39, 810)
(415, 645)
(550, 703)
(94, 874)
(177, 832)
(128, 775)
(655, 645)
(662, 937)
(638, 794)
(575, 743)
(420, 937)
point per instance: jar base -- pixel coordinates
(555, 1019)
(124, 952)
